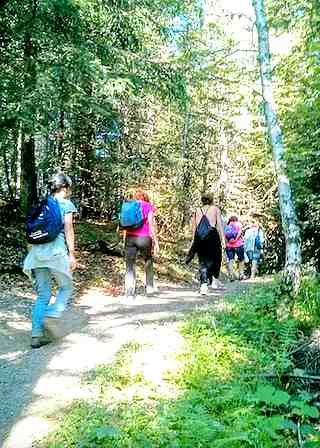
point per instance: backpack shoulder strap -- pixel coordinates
(204, 214)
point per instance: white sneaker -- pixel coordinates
(204, 289)
(216, 284)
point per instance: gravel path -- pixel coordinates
(36, 383)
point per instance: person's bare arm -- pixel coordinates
(153, 232)
(193, 225)
(69, 234)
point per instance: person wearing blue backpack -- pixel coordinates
(52, 255)
(137, 219)
(253, 246)
(234, 247)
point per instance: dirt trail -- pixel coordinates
(34, 384)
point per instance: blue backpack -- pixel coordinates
(44, 223)
(131, 216)
(230, 232)
(257, 242)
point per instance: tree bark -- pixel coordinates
(86, 160)
(7, 175)
(61, 134)
(223, 181)
(287, 208)
(186, 180)
(28, 161)
(28, 172)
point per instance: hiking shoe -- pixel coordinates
(242, 277)
(39, 341)
(204, 289)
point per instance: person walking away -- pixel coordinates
(54, 259)
(208, 240)
(234, 247)
(142, 240)
(253, 246)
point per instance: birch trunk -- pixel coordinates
(287, 208)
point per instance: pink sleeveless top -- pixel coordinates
(147, 207)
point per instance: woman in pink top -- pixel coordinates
(235, 246)
(145, 241)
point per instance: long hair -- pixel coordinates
(141, 195)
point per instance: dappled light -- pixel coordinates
(159, 224)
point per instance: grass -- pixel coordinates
(223, 394)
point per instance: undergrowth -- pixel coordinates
(230, 391)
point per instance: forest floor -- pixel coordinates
(36, 384)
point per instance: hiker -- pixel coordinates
(253, 246)
(54, 259)
(234, 247)
(208, 240)
(142, 239)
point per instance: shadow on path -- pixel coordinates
(35, 383)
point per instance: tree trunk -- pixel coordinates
(223, 181)
(287, 208)
(86, 159)
(28, 172)
(61, 135)
(186, 180)
(28, 161)
(7, 174)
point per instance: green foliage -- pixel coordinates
(298, 86)
(90, 232)
(271, 396)
(306, 307)
(105, 91)
(223, 399)
(67, 70)
(117, 374)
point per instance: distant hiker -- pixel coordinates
(234, 246)
(208, 238)
(137, 218)
(53, 259)
(253, 246)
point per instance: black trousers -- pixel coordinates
(210, 257)
(133, 246)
